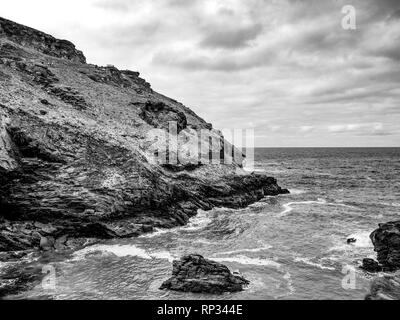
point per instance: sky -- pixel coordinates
(287, 69)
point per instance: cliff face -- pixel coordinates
(78, 145)
(386, 241)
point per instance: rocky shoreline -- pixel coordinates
(386, 241)
(77, 150)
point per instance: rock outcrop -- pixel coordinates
(386, 241)
(385, 288)
(80, 151)
(39, 41)
(370, 265)
(193, 273)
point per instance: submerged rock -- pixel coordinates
(193, 273)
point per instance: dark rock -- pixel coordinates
(351, 240)
(385, 288)
(69, 96)
(158, 114)
(193, 273)
(40, 41)
(386, 241)
(19, 278)
(371, 265)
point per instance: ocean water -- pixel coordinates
(289, 247)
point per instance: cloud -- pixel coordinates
(231, 38)
(285, 68)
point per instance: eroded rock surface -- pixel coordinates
(386, 240)
(193, 273)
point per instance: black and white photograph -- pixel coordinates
(199, 150)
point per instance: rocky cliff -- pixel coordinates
(386, 241)
(79, 150)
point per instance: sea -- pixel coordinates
(290, 246)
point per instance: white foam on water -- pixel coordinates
(362, 241)
(251, 169)
(249, 261)
(118, 250)
(157, 232)
(198, 222)
(246, 250)
(163, 255)
(287, 276)
(313, 264)
(288, 207)
(123, 251)
(390, 204)
(296, 191)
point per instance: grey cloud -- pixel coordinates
(223, 37)
(199, 62)
(117, 5)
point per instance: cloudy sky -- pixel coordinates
(285, 68)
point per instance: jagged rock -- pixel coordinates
(158, 114)
(80, 166)
(39, 41)
(18, 278)
(193, 273)
(385, 288)
(371, 265)
(386, 241)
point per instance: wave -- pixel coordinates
(296, 191)
(251, 169)
(289, 206)
(157, 232)
(249, 261)
(198, 222)
(246, 250)
(362, 241)
(122, 251)
(313, 264)
(389, 204)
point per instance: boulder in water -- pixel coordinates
(386, 240)
(194, 273)
(371, 265)
(351, 240)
